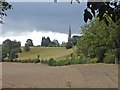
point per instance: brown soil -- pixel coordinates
(18, 75)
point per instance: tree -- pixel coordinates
(54, 43)
(48, 41)
(98, 40)
(29, 42)
(101, 7)
(63, 44)
(3, 7)
(75, 39)
(10, 49)
(69, 45)
(111, 8)
(7, 46)
(45, 41)
(13, 55)
(4, 55)
(26, 47)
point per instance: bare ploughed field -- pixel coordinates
(19, 75)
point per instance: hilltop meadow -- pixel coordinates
(45, 53)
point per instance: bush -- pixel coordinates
(84, 60)
(61, 62)
(24, 61)
(51, 62)
(45, 61)
(75, 60)
(94, 60)
(69, 45)
(42, 61)
(109, 58)
(36, 60)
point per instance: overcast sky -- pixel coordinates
(41, 19)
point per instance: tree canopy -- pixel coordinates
(101, 7)
(10, 49)
(100, 41)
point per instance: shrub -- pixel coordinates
(36, 60)
(94, 60)
(109, 58)
(69, 45)
(51, 62)
(84, 60)
(44, 61)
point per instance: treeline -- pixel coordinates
(48, 43)
(10, 49)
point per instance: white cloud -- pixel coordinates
(35, 35)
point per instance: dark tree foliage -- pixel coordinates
(45, 41)
(29, 42)
(69, 45)
(101, 41)
(75, 39)
(10, 49)
(26, 48)
(109, 7)
(3, 7)
(4, 55)
(54, 43)
(13, 55)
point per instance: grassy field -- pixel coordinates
(45, 53)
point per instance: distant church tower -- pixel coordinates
(69, 35)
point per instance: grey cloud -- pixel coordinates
(44, 16)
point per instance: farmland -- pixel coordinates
(19, 75)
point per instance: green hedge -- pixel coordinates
(62, 62)
(73, 60)
(23, 61)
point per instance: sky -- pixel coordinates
(34, 20)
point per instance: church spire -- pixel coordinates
(69, 35)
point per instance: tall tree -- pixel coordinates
(26, 47)
(98, 39)
(45, 41)
(29, 42)
(10, 49)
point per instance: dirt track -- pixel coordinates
(16, 75)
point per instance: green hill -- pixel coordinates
(45, 53)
